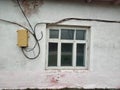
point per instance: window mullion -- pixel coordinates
(59, 50)
(74, 54)
(74, 50)
(59, 54)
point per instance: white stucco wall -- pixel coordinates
(16, 71)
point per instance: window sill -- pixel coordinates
(66, 68)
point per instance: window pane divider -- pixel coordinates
(53, 40)
(74, 55)
(74, 50)
(59, 54)
(59, 50)
(67, 41)
(81, 41)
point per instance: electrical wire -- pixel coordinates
(25, 15)
(84, 19)
(15, 23)
(23, 49)
(34, 35)
(41, 31)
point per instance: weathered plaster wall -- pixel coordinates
(104, 66)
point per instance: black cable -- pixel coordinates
(24, 15)
(14, 23)
(23, 50)
(84, 19)
(34, 35)
(31, 49)
(35, 31)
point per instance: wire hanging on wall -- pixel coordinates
(34, 35)
(24, 50)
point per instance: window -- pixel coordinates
(67, 47)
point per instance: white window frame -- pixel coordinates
(59, 41)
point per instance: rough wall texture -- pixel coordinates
(104, 66)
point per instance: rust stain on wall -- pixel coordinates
(30, 6)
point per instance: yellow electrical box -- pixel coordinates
(22, 38)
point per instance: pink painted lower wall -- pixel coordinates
(58, 79)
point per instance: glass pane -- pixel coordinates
(52, 58)
(54, 33)
(80, 55)
(80, 34)
(67, 34)
(66, 54)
